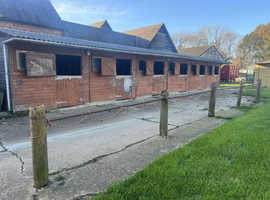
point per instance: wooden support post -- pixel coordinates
(38, 126)
(212, 100)
(258, 91)
(163, 125)
(239, 99)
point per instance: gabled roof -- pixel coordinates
(157, 35)
(48, 39)
(42, 13)
(194, 51)
(147, 33)
(32, 12)
(103, 24)
(204, 51)
(91, 33)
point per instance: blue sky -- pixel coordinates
(241, 16)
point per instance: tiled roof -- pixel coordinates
(147, 33)
(103, 24)
(194, 51)
(33, 12)
(42, 13)
(80, 43)
(91, 33)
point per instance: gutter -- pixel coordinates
(113, 50)
(5, 51)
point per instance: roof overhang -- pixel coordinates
(43, 39)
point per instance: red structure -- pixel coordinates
(229, 73)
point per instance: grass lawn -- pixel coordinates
(230, 162)
(251, 91)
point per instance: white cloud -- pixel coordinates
(85, 13)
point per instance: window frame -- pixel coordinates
(130, 70)
(60, 77)
(163, 74)
(18, 62)
(204, 71)
(183, 74)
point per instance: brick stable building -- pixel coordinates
(46, 60)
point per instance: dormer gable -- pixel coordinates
(162, 40)
(103, 24)
(157, 35)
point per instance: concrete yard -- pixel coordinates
(90, 152)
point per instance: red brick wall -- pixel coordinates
(30, 28)
(144, 82)
(92, 87)
(27, 91)
(31, 91)
(74, 91)
(109, 87)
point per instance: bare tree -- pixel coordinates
(180, 39)
(187, 40)
(223, 38)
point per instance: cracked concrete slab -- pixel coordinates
(77, 140)
(117, 167)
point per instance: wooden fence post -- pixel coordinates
(239, 99)
(258, 91)
(212, 100)
(38, 126)
(163, 125)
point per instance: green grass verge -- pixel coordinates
(245, 108)
(251, 91)
(230, 162)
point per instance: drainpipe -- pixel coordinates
(5, 51)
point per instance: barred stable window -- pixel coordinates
(210, 69)
(97, 65)
(142, 67)
(216, 69)
(194, 70)
(172, 68)
(202, 69)
(123, 67)
(159, 68)
(183, 69)
(67, 65)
